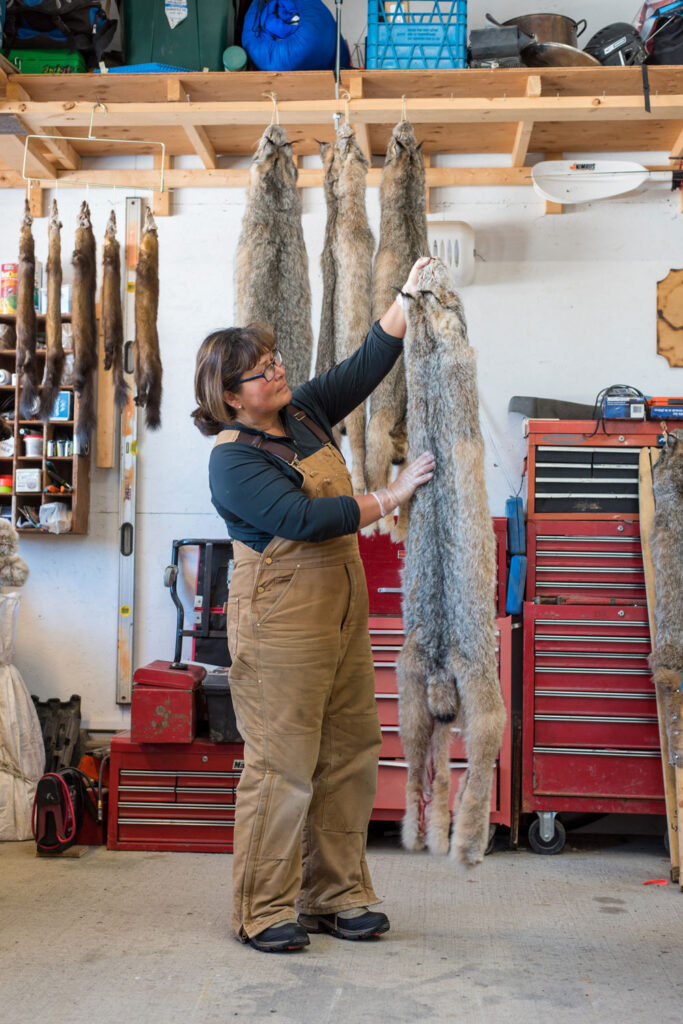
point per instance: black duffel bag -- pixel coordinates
(58, 25)
(665, 42)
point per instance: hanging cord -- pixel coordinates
(275, 117)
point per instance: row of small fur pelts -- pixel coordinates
(271, 264)
(148, 370)
(346, 263)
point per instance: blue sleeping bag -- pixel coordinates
(292, 35)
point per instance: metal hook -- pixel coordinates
(275, 119)
(92, 115)
(403, 107)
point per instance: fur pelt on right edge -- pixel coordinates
(402, 239)
(347, 275)
(271, 265)
(447, 667)
(666, 540)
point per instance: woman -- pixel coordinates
(302, 678)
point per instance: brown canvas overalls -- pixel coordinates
(302, 683)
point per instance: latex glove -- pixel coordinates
(409, 479)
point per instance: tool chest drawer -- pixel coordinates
(383, 562)
(392, 776)
(175, 797)
(590, 726)
(597, 561)
(585, 469)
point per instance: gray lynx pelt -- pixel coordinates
(666, 541)
(271, 266)
(447, 668)
(403, 238)
(347, 275)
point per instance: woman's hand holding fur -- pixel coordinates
(408, 480)
(411, 284)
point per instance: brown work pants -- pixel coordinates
(302, 683)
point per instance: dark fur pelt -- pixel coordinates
(112, 311)
(447, 667)
(271, 265)
(347, 275)
(84, 324)
(148, 370)
(26, 318)
(54, 358)
(666, 541)
(403, 238)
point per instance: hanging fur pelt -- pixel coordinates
(271, 265)
(347, 275)
(84, 324)
(26, 318)
(54, 358)
(148, 369)
(666, 540)
(112, 311)
(403, 239)
(447, 667)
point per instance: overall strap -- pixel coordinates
(304, 418)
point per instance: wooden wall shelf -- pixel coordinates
(219, 117)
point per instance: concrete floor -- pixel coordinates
(121, 938)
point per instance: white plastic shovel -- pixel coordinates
(583, 181)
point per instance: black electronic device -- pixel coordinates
(618, 44)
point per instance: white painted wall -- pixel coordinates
(560, 307)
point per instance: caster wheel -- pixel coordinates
(492, 840)
(539, 845)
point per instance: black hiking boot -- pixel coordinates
(359, 923)
(280, 938)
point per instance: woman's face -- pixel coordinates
(260, 399)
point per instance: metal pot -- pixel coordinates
(547, 28)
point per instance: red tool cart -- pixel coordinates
(590, 733)
(382, 560)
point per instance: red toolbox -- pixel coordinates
(387, 637)
(164, 702)
(180, 797)
(383, 561)
(590, 731)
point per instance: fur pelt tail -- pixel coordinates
(26, 318)
(86, 412)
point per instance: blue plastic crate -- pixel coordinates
(417, 34)
(151, 69)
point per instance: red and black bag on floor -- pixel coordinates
(60, 803)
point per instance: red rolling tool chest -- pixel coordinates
(590, 736)
(177, 797)
(382, 560)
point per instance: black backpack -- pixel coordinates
(665, 42)
(60, 802)
(58, 25)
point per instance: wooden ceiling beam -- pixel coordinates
(60, 148)
(677, 148)
(429, 110)
(201, 144)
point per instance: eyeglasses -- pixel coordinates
(269, 371)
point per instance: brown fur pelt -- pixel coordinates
(447, 668)
(403, 238)
(666, 540)
(83, 323)
(112, 311)
(54, 359)
(148, 371)
(271, 265)
(347, 275)
(26, 318)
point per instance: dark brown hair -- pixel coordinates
(223, 358)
